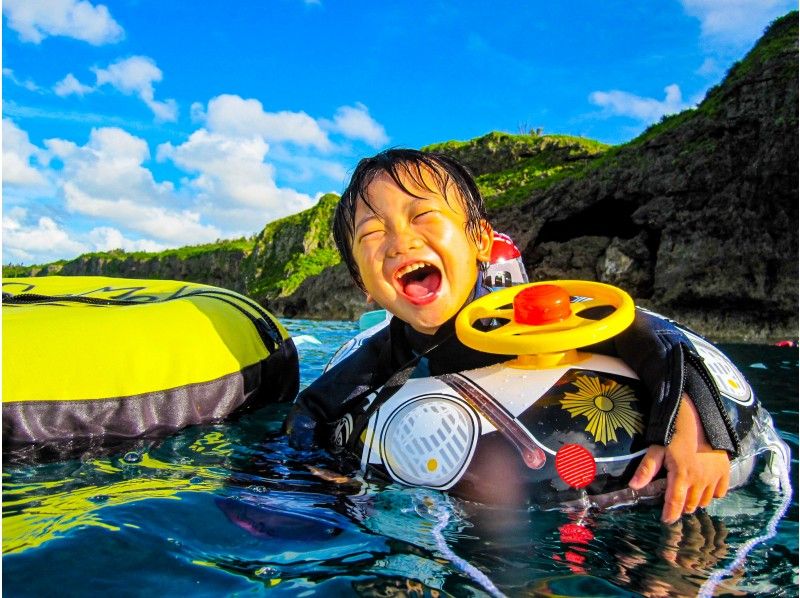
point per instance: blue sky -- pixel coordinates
(150, 124)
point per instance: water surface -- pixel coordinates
(231, 509)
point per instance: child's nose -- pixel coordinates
(403, 241)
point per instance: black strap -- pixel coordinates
(266, 328)
(26, 298)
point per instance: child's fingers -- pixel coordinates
(648, 468)
(722, 486)
(693, 498)
(675, 498)
(708, 495)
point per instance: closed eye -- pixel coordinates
(369, 233)
(424, 215)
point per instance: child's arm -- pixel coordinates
(669, 367)
(330, 396)
(691, 437)
(696, 472)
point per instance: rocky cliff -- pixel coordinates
(698, 216)
(218, 264)
(290, 250)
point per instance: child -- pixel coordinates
(412, 229)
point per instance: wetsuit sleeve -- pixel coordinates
(668, 365)
(332, 394)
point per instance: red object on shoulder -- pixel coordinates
(503, 249)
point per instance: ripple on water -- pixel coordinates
(231, 509)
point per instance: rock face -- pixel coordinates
(331, 295)
(218, 266)
(290, 250)
(697, 218)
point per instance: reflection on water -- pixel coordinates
(231, 508)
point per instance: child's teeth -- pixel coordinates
(408, 269)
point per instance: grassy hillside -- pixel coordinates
(115, 260)
(291, 249)
(509, 167)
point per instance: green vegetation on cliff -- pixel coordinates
(780, 39)
(18, 270)
(116, 261)
(508, 167)
(291, 249)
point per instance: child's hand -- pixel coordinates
(696, 473)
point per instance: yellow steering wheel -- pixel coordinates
(542, 318)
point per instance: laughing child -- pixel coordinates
(412, 229)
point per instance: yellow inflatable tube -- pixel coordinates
(87, 357)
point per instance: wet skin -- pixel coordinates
(414, 255)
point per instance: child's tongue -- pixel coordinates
(419, 287)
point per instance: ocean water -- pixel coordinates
(232, 510)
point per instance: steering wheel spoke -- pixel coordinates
(477, 312)
(594, 302)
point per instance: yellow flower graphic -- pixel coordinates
(607, 406)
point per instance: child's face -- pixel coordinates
(414, 255)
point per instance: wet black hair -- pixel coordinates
(403, 165)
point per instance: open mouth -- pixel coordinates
(419, 280)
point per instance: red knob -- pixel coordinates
(575, 465)
(542, 304)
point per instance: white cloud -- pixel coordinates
(39, 242)
(18, 155)
(44, 240)
(106, 180)
(356, 123)
(104, 238)
(234, 116)
(70, 85)
(241, 169)
(735, 22)
(28, 84)
(135, 76)
(233, 181)
(306, 168)
(297, 168)
(177, 228)
(35, 20)
(622, 103)
(166, 111)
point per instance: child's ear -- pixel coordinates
(485, 241)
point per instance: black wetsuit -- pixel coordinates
(652, 346)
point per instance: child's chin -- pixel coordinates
(428, 322)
